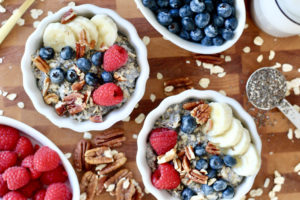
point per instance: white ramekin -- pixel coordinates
(38, 138)
(192, 46)
(239, 113)
(34, 42)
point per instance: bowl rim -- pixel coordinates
(29, 81)
(192, 46)
(239, 113)
(42, 139)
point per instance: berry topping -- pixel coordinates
(16, 177)
(91, 79)
(231, 23)
(97, 59)
(57, 175)
(228, 193)
(162, 140)
(24, 147)
(229, 161)
(215, 162)
(188, 23)
(71, 75)
(197, 6)
(114, 58)
(202, 19)
(7, 159)
(185, 11)
(165, 177)
(58, 191)
(220, 185)
(201, 164)
(13, 195)
(196, 35)
(57, 75)
(106, 77)
(199, 150)
(207, 190)
(40, 195)
(224, 10)
(45, 159)
(174, 27)
(164, 18)
(3, 187)
(8, 138)
(187, 194)
(46, 53)
(188, 124)
(212, 173)
(175, 3)
(28, 163)
(29, 189)
(211, 31)
(108, 94)
(84, 64)
(67, 53)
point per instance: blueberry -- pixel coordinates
(218, 21)
(206, 41)
(91, 79)
(228, 193)
(197, 6)
(202, 19)
(215, 162)
(67, 53)
(220, 185)
(211, 31)
(207, 190)
(227, 34)
(71, 76)
(188, 124)
(174, 28)
(224, 10)
(187, 194)
(57, 75)
(185, 11)
(174, 13)
(231, 23)
(187, 1)
(199, 150)
(97, 59)
(46, 53)
(150, 4)
(209, 5)
(175, 3)
(218, 41)
(228, 1)
(162, 3)
(106, 77)
(229, 161)
(201, 164)
(84, 64)
(197, 35)
(164, 18)
(184, 35)
(212, 173)
(188, 23)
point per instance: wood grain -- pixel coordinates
(164, 57)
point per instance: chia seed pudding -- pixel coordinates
(205, 170)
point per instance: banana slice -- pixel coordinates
(249, 163)
(77, 28)
(231, 137)
(57, 36)
(90, 27)
(241, 147)
(107, 29)
(221, 115)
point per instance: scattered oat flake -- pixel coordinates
(276, 66)
(204, 82)
(159, 76)
(35, 13)
(296, 107)
(227, 58)
(267, 182)
(188, 62)
(276, 173)
(221, 75)
(1, 112)
(21, 105)
(68, 155)
(271, 55)
(169, 88)
(276, 188)
(11, 96)
(258, 41)
(127, 119)
(297, 168)
(298, 69)
(297, 133)
(2, 9)
(136, 106)
(5, 93)
(246, 49)
(207, 65)
(223, 92)
(134, 136)
(256, 193)
(198, 63)
(279, 180)
(152, 97)
(87, 135)
(287, 67)
(1, 60)
(71, 4)
(35, 24)
(290, 134)
(21, 22)
(146, 40)
(146, 191)
(246, 26)
(260, 58)
(222, 56)
(83, 196)
(139, 119)
(271, 153)
(216, 69)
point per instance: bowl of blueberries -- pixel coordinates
(199, 26)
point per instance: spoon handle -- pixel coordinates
(289, 111)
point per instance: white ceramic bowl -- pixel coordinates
(34, 42)
(238, 111)
(192, 46)
(38, 138)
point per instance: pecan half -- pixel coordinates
(51, 98)
(100, 186)
(110, 138)
(100, 155)
(124, 173)
(46, 85)
(179, 82)
(80, 50)
(60, 108)
(167, 157)
(120, 160)
(201, 113)
(74, 103)
(213, 59)
(78, 155)
(189, 152)
(77, 86)
(192, 105)
(177, 165)
(197, 177)
(96, 119)
(125, 189)
(41, 64)
(186, 164)
(88, 184)
(68, 16)
(181, 153)
(83, 38)
(212, 149)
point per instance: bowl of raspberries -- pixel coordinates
(32, 167)
(199, 26)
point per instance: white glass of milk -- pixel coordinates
(280, 18)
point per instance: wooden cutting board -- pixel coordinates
(279, 153)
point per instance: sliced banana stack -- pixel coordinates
(107, 29)
(241, 147)
(77, 28)
(231, 137)
(221, 116)
(249, 163)
(89, 27)
(57, 36)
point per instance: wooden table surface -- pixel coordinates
(279, 153)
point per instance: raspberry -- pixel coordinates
(24, 147)
(7, 159)
(114, 58)
(165, 177)
(162, 140)
(16, 177)
(29, 189)
(40, 195)
(45, 159)
(28, 163)
(3, 187)
(57, 175)
(8, 137)
(58, 191)
(14, 196)
(108, 94)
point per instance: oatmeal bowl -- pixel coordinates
(199, 145)
(85, 68)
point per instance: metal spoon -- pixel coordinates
(266, 89)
